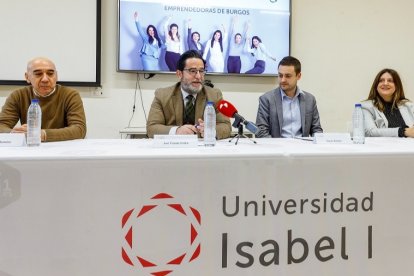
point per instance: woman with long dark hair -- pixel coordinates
(214, 47)
(151, 47)
(173, 43)
(387, 112)
(258, 50)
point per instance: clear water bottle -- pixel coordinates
(34, 124)
(358, 130)
(209, 125)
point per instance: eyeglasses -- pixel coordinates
(194, 71)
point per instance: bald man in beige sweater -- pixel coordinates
(63, 116)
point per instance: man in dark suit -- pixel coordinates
(287, 111)
(179, 109)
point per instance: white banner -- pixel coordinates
(219, 216)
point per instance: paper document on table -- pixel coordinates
(304, 138)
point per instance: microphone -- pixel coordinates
(208, 83)
(227, 109)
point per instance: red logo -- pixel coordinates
(161, 235)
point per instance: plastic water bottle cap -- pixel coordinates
(210, 102)
(35, 100)
(358, 105)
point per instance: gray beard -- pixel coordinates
(190, 90)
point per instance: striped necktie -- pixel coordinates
(189, 111)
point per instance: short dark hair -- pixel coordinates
(291, 61)
(199, 36)
(187, 55)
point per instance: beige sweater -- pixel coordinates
(63, 116)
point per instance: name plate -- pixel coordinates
(175, 141)
(332, 138)
(12, 139)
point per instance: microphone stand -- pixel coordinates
(238, 124)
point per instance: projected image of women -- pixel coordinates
(259, 52)
(193, 39)
(236, 47)
(214, 49)
(151, 48)
(173, 43)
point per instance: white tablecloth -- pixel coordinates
(280, 207)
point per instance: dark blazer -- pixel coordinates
(167, 110)
(192, 45)
(270, 114)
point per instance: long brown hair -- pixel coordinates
(398, 97)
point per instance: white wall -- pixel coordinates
(23, 28)
(342, 45)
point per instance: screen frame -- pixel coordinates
(151, 73)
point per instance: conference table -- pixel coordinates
(278, 207)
